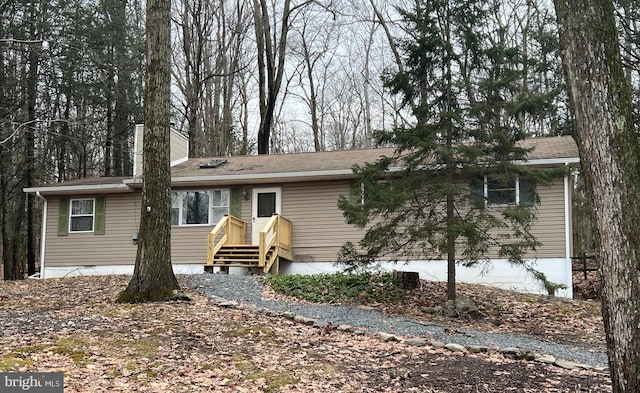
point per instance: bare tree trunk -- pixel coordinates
(195, 30)
(263, 38)
(4, 160)
(219, 69)
(368, 131)
(153, 278)
(63, 141)
(271, 55)
(123, 105)
(108, 146)
(32, 82)
(244, 99)
(4, 217)
(15, 259)
(211, 39)
(313, 95)
(392, 42)
(446, 113)
(610, 151)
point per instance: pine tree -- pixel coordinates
(428, 200)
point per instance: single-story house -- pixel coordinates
(90, 225)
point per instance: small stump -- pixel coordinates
(407, 280)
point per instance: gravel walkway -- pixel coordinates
(247, 290)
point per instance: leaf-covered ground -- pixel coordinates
(561, 320)
(564, 321)
(73, 325)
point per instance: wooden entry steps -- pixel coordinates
(239, 255)
(244, 255)
(226, 246)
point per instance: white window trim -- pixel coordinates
(181, 194)
(363, 192)
(92, 215)
(486, 193)
(212, 206)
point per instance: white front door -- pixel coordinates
(264, 203)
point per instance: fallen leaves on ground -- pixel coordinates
(73, 325)
(560, 320)
(502, 311)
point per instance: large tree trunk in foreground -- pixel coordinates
(153, 278)
(610, 152)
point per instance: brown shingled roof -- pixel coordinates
(551, 147)
(343, 160)
(290, 167)
(280, 163)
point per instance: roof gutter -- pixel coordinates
(265, 177)
(129, 184)
(535, 161)
(548, 161)
(329, 174)
(92, 188)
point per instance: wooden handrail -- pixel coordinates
(234, 231)
(277, 235)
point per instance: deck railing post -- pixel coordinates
(261, 250)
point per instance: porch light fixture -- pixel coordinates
(245, 194)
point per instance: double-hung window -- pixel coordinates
(220, 205)
(488, 190)
(82, 215)
(501, 191)
(198, 207)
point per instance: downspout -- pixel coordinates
(568, 229)
(43, 235)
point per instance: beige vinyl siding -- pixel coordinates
(115, 247)
(549, 228)
(179, 146)
(319, 228)
(189, 244)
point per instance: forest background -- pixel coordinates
(248, 76)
